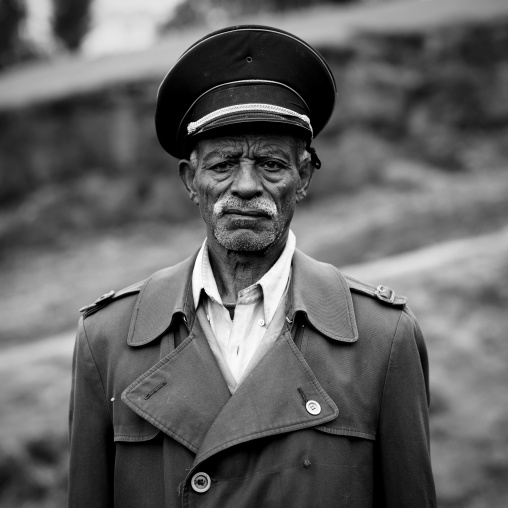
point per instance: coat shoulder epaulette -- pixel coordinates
(107, 298)
(383, 293)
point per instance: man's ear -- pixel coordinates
(306, 171)
(187, 174)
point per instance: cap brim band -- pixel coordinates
(247, 111)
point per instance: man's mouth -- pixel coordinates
(246, 212)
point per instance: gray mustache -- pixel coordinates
(264, 205)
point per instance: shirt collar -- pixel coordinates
(273, 282)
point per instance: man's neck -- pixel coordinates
(234, 271)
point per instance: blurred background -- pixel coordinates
(413, 193)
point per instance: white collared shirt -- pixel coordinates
(238, 339)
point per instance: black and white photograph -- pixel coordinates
(253, 254)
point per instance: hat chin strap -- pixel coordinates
(314, 159)
(244, 108)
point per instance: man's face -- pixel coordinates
(247, 187)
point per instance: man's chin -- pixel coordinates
(245, 240)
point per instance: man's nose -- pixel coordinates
(247, 182)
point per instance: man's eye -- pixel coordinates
(272, 165)
(223, 166)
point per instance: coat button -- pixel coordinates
(200, 482)
(313, 407)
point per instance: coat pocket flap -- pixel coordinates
(136, 438)
(340, 431)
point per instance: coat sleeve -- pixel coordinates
(90, 432)
(403, 444)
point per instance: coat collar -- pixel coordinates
(318, 290)
(322, 293)
(166, 293)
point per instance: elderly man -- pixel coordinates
(249, 375)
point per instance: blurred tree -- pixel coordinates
(190, 12)
(71, 21)
(12, 15)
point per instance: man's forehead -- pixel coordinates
(241, 144)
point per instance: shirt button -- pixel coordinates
(200, 482)
(261, 322)
(313, 407)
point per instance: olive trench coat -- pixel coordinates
(150, 408)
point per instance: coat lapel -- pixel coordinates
(271, 400)
(183, 393)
